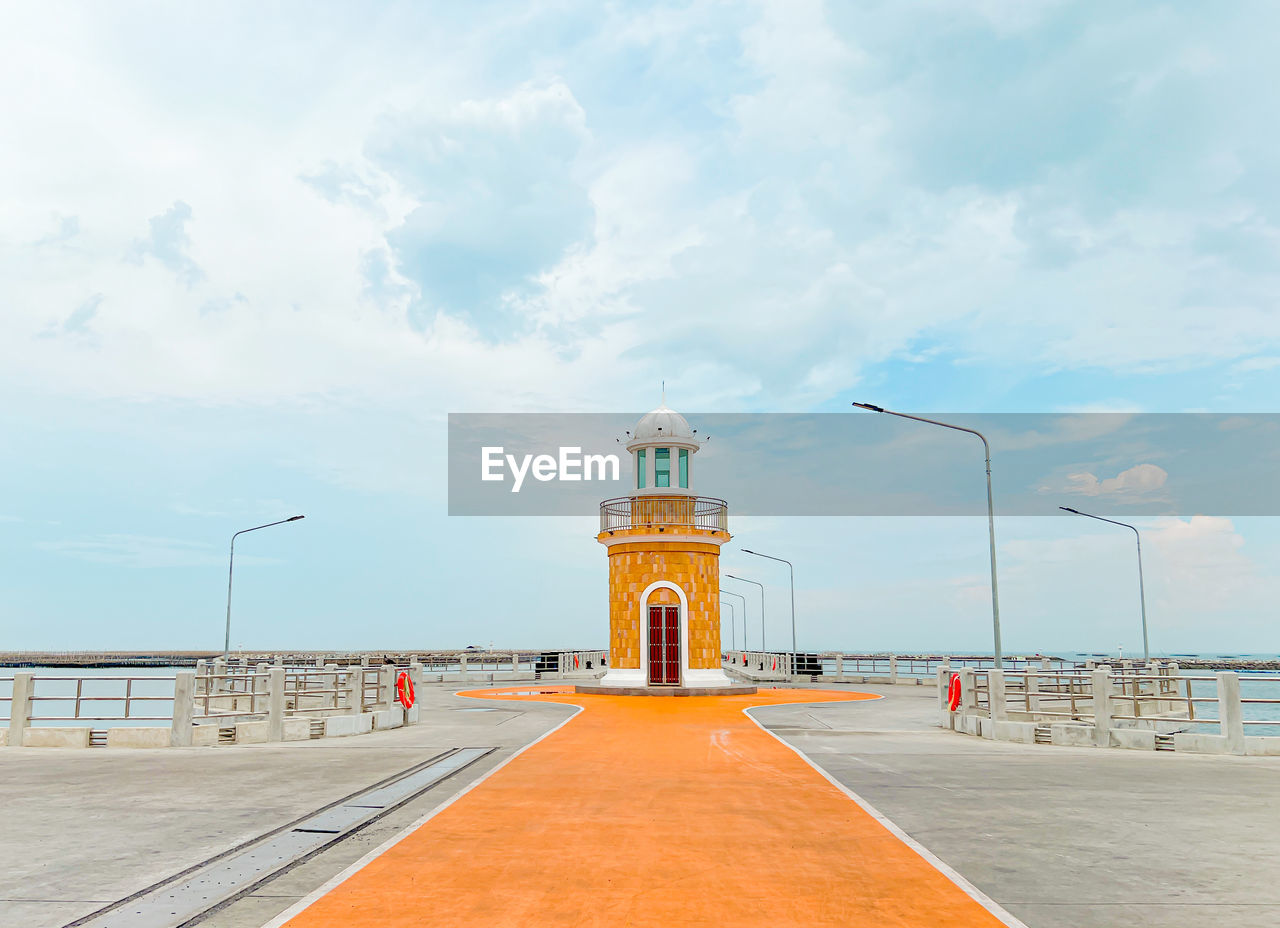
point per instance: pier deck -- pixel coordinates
(1061, 837)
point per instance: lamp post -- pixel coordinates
(991, 519)
(793, 595)
(724, 592)
(231, 565)
(733, 640)
(761, 585)
(1142, 593)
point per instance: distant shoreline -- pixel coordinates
(19, 659)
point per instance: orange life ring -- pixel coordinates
(953, 692)
(404, 690)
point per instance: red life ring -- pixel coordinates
(953, 692)
(404, 690)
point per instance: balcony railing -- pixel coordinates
(697, 512)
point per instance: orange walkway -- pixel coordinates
(647, 811)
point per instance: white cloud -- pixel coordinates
(1139, 479)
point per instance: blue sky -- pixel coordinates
(251, 257)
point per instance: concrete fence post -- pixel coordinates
(364, 660)
(275, 704)
(184, 709)
(279, 660)
(515, 664)
(20, 708)
(462, 666)
(944, 684)
(415, 675)
(202, 667)
(355, 688)
(320, 662)
(1101, 687)
(387, 686)
(996, 695)
(1033, 690)
(219, 668)
(330, 682)
(257, 686)
(1231, 710)
(840, 666)
(968, 694)
(893, 668)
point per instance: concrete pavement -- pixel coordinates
(1062, 837)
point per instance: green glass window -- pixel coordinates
(662, 467)
(640, 469)
(684, 468)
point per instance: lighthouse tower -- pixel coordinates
(664, 544)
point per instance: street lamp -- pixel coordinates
(991, 519)
(733, 640)
(761, 585)
(724, 592)
(231, 565)
(1142, 593)
(793, 594)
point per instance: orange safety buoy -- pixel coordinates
(404, 690)
(953, 692)
(575, 662)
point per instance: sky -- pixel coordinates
(253, 255)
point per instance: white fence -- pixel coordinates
(220, 703)
(1152, 707)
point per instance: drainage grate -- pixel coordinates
(1164, 742)
(1043, 735)
(97, 737)
(196, 891)
(317, 728)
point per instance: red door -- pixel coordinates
(664, 645)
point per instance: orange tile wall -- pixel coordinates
(692, 566)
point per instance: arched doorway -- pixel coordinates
(664, 645)
(664, 627)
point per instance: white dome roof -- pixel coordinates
(662, 425)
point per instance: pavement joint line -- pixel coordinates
(972, 891)
(341, 877)
(263, 841)
(160, 884)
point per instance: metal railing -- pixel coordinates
(69, 705)
(692, 512)
(1155, 698)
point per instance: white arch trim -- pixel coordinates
(644, 628)
(629, 676)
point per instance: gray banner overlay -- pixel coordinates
(870, 464)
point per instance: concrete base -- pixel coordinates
(634, 677)
(599, 689)
(55, 738)
(138, 737)
(336, 726)
(204, 735)
(251, 732)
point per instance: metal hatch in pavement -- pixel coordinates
(195, 892)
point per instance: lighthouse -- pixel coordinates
(663, 543)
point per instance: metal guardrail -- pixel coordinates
(697, 512)
(1145, 695)
(128, 700)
